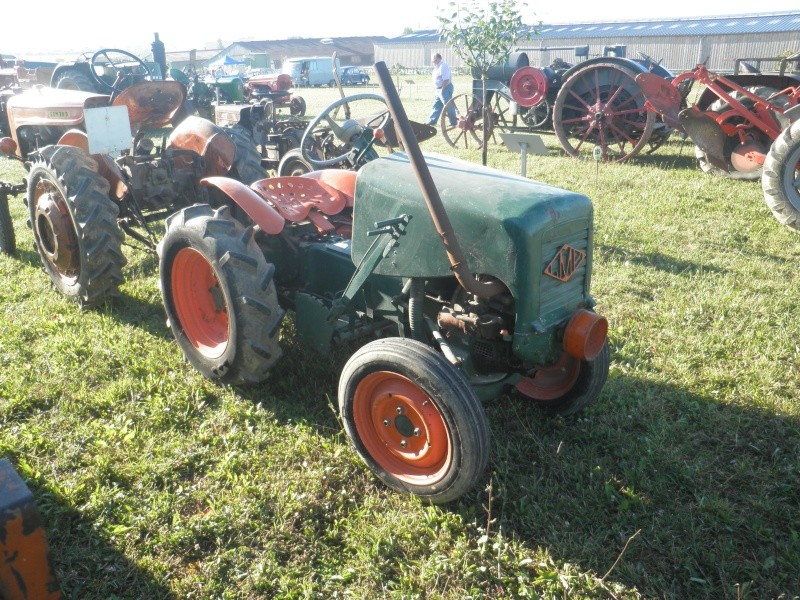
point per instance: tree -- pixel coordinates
(482, 34)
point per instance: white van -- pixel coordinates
(310, 70)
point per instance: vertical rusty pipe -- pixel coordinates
(429, 192)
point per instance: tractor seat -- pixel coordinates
(301, 198)
(340, 180)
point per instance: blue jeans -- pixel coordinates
(443, 96)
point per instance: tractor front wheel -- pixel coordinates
(568, 386)
(780, 179)
(219, 296)
(74, 225)
(414, 419)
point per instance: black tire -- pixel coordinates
(74, 79)
(414, 419)
(297, 106)
(293, 164)
(219, 295)
(74, 225)
(586, 390)
(8, 243)
(780, 179)
(247, 164)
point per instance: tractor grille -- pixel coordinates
(555, 295)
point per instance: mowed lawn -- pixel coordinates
(682, 482)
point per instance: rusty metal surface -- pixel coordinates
(25, 569)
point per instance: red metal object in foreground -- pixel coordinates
(25, 570)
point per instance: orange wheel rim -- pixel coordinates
(552, 382)
(199, 303)
(401, 428)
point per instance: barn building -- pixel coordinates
(680, 44)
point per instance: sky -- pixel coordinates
(130, 26)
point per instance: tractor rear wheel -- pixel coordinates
(74, 225)
(414, 419)
(601, 106)
(247, 164)
(780, 179)
(570, 385)
(74, 79)
(219, 296)
(8, 243)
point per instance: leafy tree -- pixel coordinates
(482, 34)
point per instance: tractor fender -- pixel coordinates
(105, 164)
(259, 210)
(210, 141)
(623, 62)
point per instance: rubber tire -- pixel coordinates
(780, 180)
(293, 164)
(587, 388)
(297, 106)
(72, 174)
(8, 243)
(246, 290)
(76, 80)
(452, 395)
(247, 164)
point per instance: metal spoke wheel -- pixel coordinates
(468, 130)
(537, 117)
(601, 106)
(502, 118)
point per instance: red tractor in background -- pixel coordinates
(744, 125)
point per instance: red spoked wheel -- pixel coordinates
(414, 419)
(468, 130)
(600, 113)
(198, 302)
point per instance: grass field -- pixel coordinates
(682, 482)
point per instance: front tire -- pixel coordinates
(74, 225)
(219, 296)
(414, 419)
(293, 164)
(780, 179)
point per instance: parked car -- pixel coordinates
(353, 76)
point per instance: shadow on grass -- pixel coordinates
(711, 489)
(655, 260)
(85, 563)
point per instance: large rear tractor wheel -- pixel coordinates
(247, 164)
(73, 79)
(601, 106)
(74, 225)
(8, 243)
(468, 130)
(219, 295)
(414, 419)
(568, 386)
(780, 179)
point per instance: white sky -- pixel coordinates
(62, 29)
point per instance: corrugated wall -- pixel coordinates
(680, 53)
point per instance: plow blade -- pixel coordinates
(661, 96)
(706, 134)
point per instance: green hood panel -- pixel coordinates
(508, 226)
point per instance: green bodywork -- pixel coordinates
(508, 227)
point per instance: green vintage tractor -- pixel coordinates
(458, 296)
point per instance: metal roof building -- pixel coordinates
(680, 44)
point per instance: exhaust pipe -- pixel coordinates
(441, 221)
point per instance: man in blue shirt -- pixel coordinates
(443, 82)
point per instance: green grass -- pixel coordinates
(682, 482)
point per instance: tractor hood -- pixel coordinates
(51, 106)
(534, 237)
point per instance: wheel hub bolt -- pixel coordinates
(387, 422)
(416, 431)
(399, 410)
(403, 443)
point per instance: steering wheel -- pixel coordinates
(119, 62)
(346, 131)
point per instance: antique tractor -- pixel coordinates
(740, 125)
(477, 290)
(94, 171)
